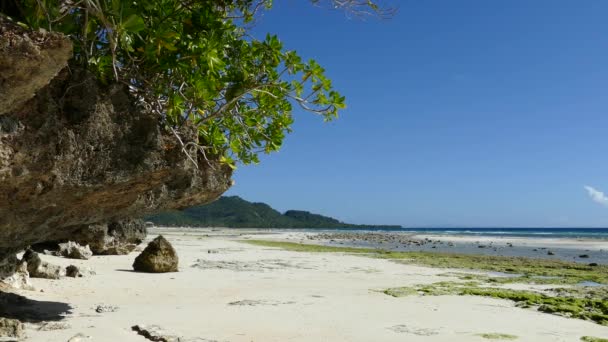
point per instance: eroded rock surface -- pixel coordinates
(11, 328)
(28, 61)
(158, 257)
(115, 238)
(20, 279)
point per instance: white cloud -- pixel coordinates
(596, 195)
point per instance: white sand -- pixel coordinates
(294, 296)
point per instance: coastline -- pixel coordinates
(228, 290)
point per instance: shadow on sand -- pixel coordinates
(29, 310)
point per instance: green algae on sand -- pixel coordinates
(590, 304)
(529, 271)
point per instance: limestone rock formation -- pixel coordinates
(114, 238)
(158, 257)
(73, 250)
(82, 153)
(41, 269)
(11, 328)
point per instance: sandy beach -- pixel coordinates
(228, 290)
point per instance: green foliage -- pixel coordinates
(235, 212)
(194, 62)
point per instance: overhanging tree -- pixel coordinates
(193, 62)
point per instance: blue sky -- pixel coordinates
(460, 113)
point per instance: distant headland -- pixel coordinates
(235, 212)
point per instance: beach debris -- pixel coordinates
(158, 257)
(404, 329)
(50, 326)
(106, 308)
(41, 269)
(158, 334)
(11, 328)
(74, 250)
(253, 302)
(79, 338)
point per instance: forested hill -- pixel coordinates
(235, 212)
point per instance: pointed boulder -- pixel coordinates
(158, 257)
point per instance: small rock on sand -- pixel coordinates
(73, 271)
(73, 250)
(158, 257)
(41, 269)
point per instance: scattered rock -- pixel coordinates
(50, 326)
(550, 253)
(73, 250)
(11, 328)
(73, 271)
(158, 257)
(41, 269)
(106, 308)
(584, 256)
(593, 264)
(114, 238)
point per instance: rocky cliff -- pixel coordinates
(74, 152)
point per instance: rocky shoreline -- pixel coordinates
(398, 241)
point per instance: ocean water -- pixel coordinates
(570, 233)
